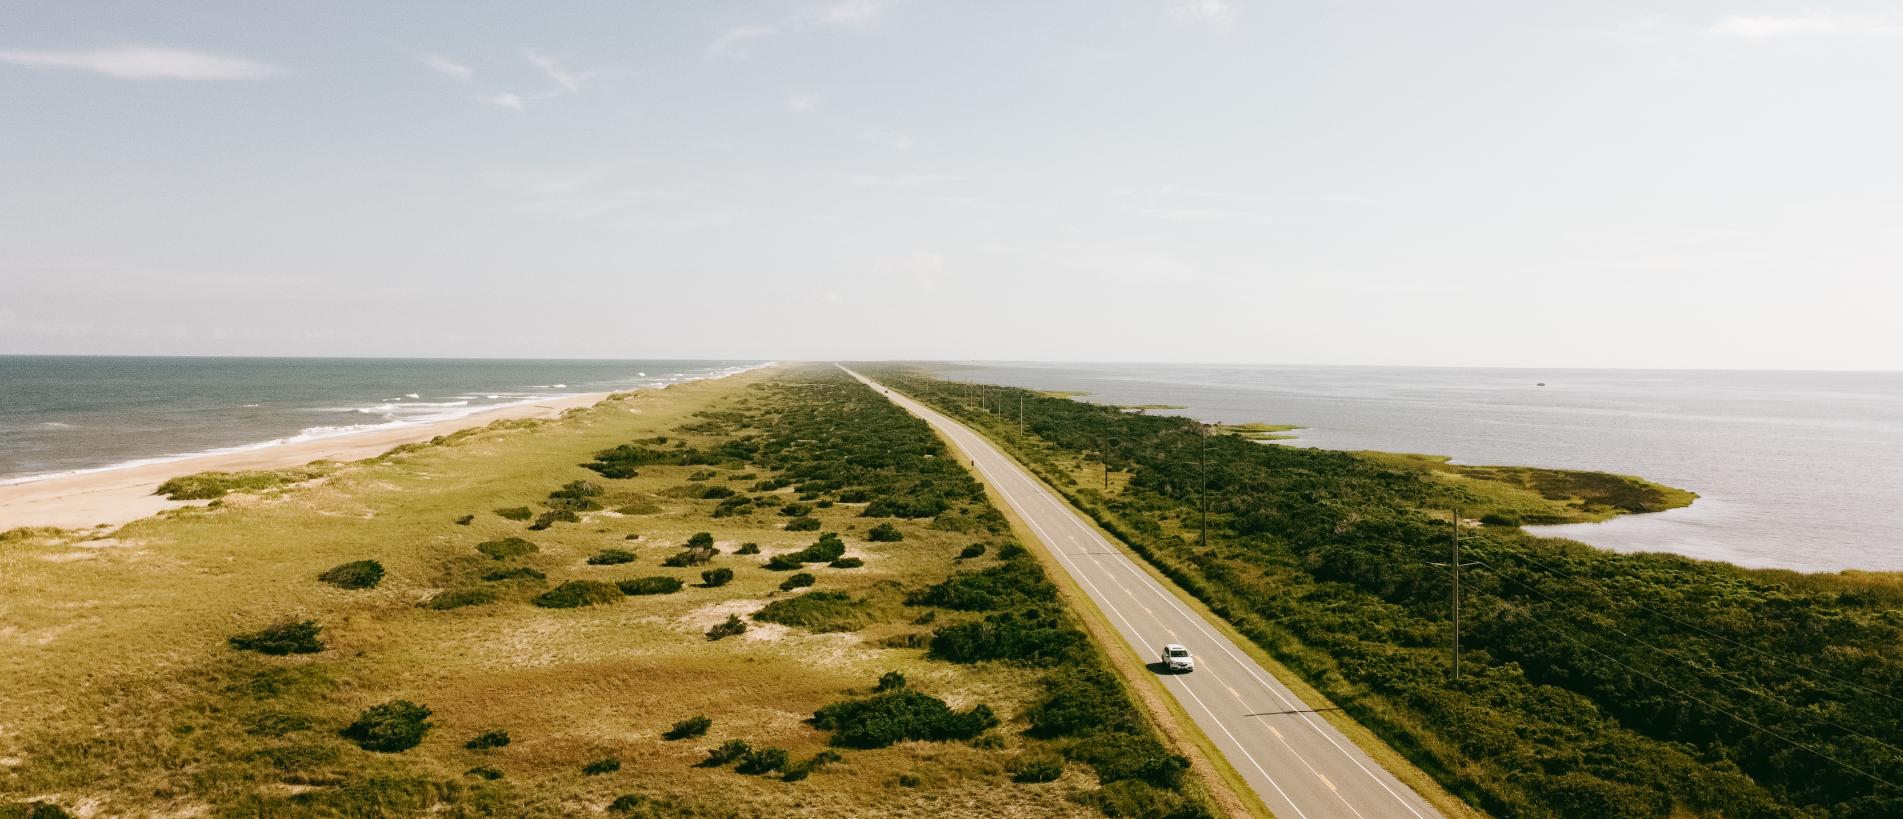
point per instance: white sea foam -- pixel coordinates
(395, 416)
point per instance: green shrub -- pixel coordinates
(394, 726)
(1138, 800)
(1036, 767)
(492, 738)
(576, 593)
(611, 557)
(357, 574)
(657, 584)
(1500, 519)
(1036, 636)
(514, 573)
(552, 517)
(1118, 756)
(804, 768)
(702, 474)
(827, 548)
(798, 581)
(214, 485)
(691, 556)
(700, 540)
(604, 765)
(796, 510)
(890, 681)
(1005, 585)
(458, 598)
(761, 761)
(465, 520)
(1011, 551)
(282, 637)
(855, 496)
(825, 504)
(974, 550)
(484, 772)
(716, 577)
(277, 724)
(847, 563)
(898, 715)
(640, 508)
(802, 525)
(732, 627)
(783, 563)
(885, 533)
(819, 611)
(690, 727)
(748, 549)
(516, 513)
(506, 548)
(1081, 701)
(727, 752)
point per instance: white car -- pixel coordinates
(1176, 658)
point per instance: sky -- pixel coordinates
(1612, 184)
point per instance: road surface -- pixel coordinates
(1300, 766)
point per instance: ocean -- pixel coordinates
(66, 414)
(1799, 470)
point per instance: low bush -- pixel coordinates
(716, 577)
(577, 593)
(611, 557)
(357, 574)
(974, 550)
(802, 525)
(1117, 756)
(484, 772)
(214, 485)
(820, 611)
(727, 752)
(1034, 636)
(898, 715)
(761, 761)
(798, 581)
(398, 725)
(1011, 551)
(465, 520)
(702, 474)
(782, 563)
(847, 563)
(890, 681)
(827, 548)
(281, 638)
(506, 548)
(1500, 519)
(910, 639)
(738, 505)
(855, 496)
(1085, 700)
(1005, 585)
(492, 738)
(700, 540)
(805, 767)
(691, 556)
(733, 626)
(1137, 800)
(514, 573)
(748, 549)
(458, 598)
(604, 765)
(687, 728)
(552, 517)
(657, 584)
(885, 533)
(516, 513)
(796, 510)
(1036, 767)
(638, 508)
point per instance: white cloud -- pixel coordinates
(852, 15)
(566, 82)
(926, 268)
(145, 63)
(446, 66)
(503, 100)
(802, 102)
(738, 43)
(903, 180)
(1804, 25)
(1217, 13)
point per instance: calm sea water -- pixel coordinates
(62, 414)
(1799, 470)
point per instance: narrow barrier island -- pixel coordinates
(769, 595)
(1593, 683)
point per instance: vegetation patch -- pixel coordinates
(398, 725)
(798, 581)
(514, 573)
(688, 728)
(492, 738)
(281, 638)
(611, 557)
(214, 485)
(885, 533)
(516, 513)
(357, 574)
(819, 611)
(733, 626)
(458, 598)
(896, 716)
(716, 577)
(657, 584)
(578, 593)
(507, 548)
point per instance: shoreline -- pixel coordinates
(111, 496)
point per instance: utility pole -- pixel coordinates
(1202, 467)
(1456, 566)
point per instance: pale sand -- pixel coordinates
(119, 496)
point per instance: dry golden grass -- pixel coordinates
(123, 699)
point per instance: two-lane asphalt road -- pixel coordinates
(1299, 765)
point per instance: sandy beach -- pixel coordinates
(117, 496)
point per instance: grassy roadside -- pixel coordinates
(126, 698)
(1224, 785)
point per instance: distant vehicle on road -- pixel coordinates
(1176, 658)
